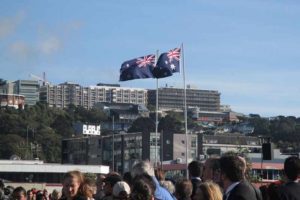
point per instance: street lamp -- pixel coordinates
(113, 143)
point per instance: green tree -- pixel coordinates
(261, 125)
(169, 124)
(142, 124)
(13, 144)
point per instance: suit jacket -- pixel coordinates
(195, 183)
(290, 191)
(244, 191)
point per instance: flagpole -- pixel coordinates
(156, 115)
(185, 112)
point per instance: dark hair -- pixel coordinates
(17, 192)
(143, 188)
(2, 184)
(292, 167)
(233, 167)
(195, 168)
(127, 178)
(184, 189)
(112, 179)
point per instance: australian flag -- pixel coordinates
(137, 68)
(167, 64)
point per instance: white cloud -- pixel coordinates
(20, 50)
(8, 25)
(50, 45)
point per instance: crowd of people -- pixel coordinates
(221, 178)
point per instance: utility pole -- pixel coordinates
(113, 143)
(26, 157)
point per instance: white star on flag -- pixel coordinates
(173, 67)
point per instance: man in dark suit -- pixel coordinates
(291, 190)
(195, 168)
(233, 180)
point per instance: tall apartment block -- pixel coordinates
(173, 98)
(64, 94)
(29, 89)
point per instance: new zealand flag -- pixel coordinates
(137, 68)
(167, 64)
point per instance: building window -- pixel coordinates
(182, 154)
(182, 141)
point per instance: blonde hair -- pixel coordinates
(80, 178)
(88, 187)
(73, 174)
(211, 191)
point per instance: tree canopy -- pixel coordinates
(37, 130)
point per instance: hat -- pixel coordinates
(112, 180)
(120, 187)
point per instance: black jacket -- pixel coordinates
(290, 191)
(244, 191)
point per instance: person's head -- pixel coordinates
(39, 195)
(232, 169)
(89, 187)
(211, 170)
(72, 182)
(195, 168)
(208, 191)
(121, 190)
(109, 183)
(29, 194)
(143, 167)
(143, 188)
(55, 195)
(19, 193)
(45, 193)
(127, 178)
(292, 168)
(100, 183)
(183, 189)
(159, 174)
(168, 185)
(2, 184)
(8, 190)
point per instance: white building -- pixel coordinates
(63, 95)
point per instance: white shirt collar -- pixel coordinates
(198, 178)
(231, 187)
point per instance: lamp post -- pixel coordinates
(113, 143)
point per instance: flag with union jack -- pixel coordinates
(167, 64)
(138, 68)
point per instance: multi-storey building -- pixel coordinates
(128, 148)
(173, 98)
(6, 87)
(64, 94)
(123, 114)
(12, 100)
(29, 89)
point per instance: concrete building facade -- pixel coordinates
(172, 98)
(64, 94)
(29, 89)
(128, 148)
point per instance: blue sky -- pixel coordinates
(247, 50)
